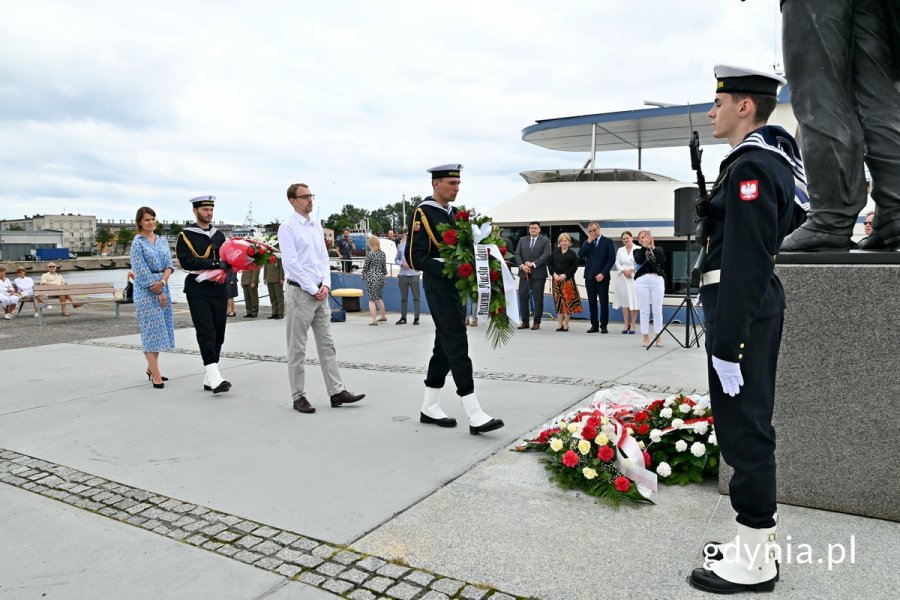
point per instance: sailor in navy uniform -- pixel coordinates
(750, 211)
(451, 346)
(197, 248)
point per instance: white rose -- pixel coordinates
(584, 447)
(712, 439)
(572, 428)
(601, 439)
(698, 449)
(701, 427)
(685, 408)
(556, 444)
(641, 445)
(663, 469)
(677, 423)
(681, 445)
(655, 435)
(665, 413)
(588, 473)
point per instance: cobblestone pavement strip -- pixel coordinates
(339, 570)
(479, 374)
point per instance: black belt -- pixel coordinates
(293, 283)
(163, 271)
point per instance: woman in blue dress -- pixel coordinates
(151, 261)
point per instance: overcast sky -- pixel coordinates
(107, 106)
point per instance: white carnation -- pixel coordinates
(655, 435)
(701, 427)
(663, 469)
(681, 445)
(677, 423)
(665, 413)
(669, 402)
(699, 410)
(712, 439)
(685, 408)
(698, 449)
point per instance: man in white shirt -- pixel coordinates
(307, 272)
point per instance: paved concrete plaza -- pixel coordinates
(113, 489)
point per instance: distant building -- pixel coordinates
(17, 246)
(77, 230)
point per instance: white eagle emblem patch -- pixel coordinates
(749, 190)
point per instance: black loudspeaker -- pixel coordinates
(684, 211)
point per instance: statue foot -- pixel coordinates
(810, 240)
(886, 237)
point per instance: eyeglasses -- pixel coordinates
(305, 197)
(868, 222)
(51, 266)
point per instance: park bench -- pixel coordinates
(97, 292)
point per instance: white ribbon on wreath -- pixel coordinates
(483, 277)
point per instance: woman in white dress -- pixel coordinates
(625, 296)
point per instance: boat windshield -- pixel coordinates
(568, 175)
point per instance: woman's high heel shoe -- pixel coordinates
(150, 376)
(158, 386)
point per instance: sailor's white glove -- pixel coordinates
(729, 374)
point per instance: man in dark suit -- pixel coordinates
(600, 254)
(532, 255)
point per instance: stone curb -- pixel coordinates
(337, 569)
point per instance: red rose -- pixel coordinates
(647, 460)
(622, 483)
(605, 454)
(570, 459)
(462, 215)
(465, 270)
(250, 252)
(589, 433)
(495, 275)
(450, 236)
(272, 259)
(643, 429)
(502, 249)
(544, 437)
(655, 405)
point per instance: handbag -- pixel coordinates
(338, 315)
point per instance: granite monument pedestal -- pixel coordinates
(837, 402)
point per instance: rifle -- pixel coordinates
(701, 207)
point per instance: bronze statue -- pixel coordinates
(842, 59)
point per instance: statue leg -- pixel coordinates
(878, 101)
(818, 42)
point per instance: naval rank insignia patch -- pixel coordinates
(749, 190)
(417, 225)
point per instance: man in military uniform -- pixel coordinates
(274, 278)
(197, 249)
(250, 284)
(451, 346)
(749, 214)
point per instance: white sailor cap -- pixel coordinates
(441, 171)
(731, 79)
(203, 201)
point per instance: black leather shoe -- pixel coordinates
(345, 397)
(303, 405)
(706, 580)
(593, 330)
(604, 330)
(717, 555)
(401, 321)
(207, 388)
(279, 316)
(489, 426)
(272, 317)
(222, 387)
(416, 321)
(443, 422)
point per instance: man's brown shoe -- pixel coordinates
(303, 405)
(536, 326)
(345, 397)
(524, 325)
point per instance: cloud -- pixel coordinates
(108, 106)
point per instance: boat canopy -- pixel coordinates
(560, 175)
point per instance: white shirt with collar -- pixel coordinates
(303, 253)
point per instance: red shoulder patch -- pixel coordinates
(749, 190)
